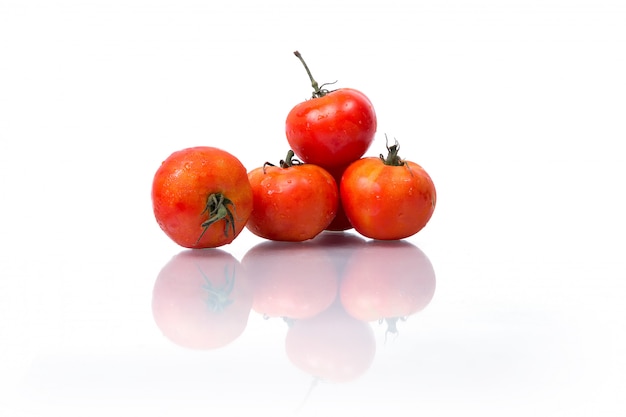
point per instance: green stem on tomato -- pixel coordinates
(392, 155)
(218, 207)
(317, 91)
(290, 160)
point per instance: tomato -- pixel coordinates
(291, 281)
(333, 128)
(341, 222)
(202, 299)
(387, 280)
(201, 197)
(292, 202)
(331, 346)
(387, 198)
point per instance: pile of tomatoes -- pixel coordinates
(203, 196)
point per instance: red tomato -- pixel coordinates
(331, 346)
(387, 280)
(387, 198)
(202, 299)
(333, 128)
(201, 197)
(291, 293)
(340, 223)
(292, 202)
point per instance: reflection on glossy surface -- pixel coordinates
(202, 299)
(291, 280)
(327, 290)
(340, 246)
(387, 280)
(332, 346)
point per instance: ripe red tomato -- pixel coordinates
(387, 198)
(333, 128)
(341, 222)
(303, 291)
(332, 346)
(202, 299)
(387, 280)
(201, 197)
(292, 202)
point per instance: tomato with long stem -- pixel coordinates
(333, 128)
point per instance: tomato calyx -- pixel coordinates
(218, 207)
(318, 90)
(392, 159)
(289, 161)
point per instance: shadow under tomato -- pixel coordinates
(387, 281)
(202, 299)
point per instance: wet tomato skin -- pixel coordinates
(333, 130)
(180, 190)
(387, 202)
(292, 204)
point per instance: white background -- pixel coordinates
(517, 109)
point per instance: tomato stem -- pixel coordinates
(317, 91)
(218, 208)
(392, 154)
(289, 160)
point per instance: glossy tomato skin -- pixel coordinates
(292, 204)
(181, 187)
(333, 130)
(387, 202)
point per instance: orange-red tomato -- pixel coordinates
(291, 281)
(387, 199)
(201, 197)
(341, 222)
(292, 202)
(202, 299)
(331, 346)
(333, 128)
(387, 280)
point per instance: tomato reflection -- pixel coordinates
(332, 346)
(291, 280)
(328, 290)
(201, 299)
(339, 246)
(387, 280)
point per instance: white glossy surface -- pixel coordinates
(516, 109)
